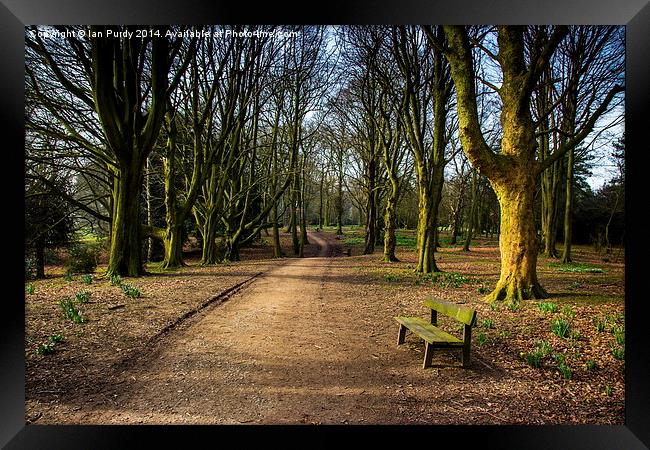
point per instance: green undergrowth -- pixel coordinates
(576, 267)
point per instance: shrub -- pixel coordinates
(45, 349)
(88, 278)
(619, 334)
(618, 352)
(443, 279)
(70, 310)
(82, 258)
(487, 323)
(561, 365)
(576, 268)
(548, 307)
(534, 358)
(600, 324)
(48, 347)
(82, 296)
(543, 347)
(130, 290)
(560, 327)
(565, 371)
(514, 306)
(116, 280)
(568, 311)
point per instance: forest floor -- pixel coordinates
(313, 341)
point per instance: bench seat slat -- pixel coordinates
(430, 333)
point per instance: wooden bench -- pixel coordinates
(433, 336)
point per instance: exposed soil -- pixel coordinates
(313, 340)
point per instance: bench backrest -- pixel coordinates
(460, 313)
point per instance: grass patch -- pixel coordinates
(562, 367)
(131, 290)
(619, 334)
(618, 352)
(391, 278)
(599, 324)
(70, 310)
(487, 323)
(548, 307)
(576, 267)
(82, 296)
(561, 328)
(30, 288)
(568, 311)
(442, 279)
(355, 241)
(542, 349)
(405, 241)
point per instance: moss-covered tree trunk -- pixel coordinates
(130, 132)
(210, 253)
(568, 210)
(371, 203)
(339, 194)
(550, 207)
(390, 222)
(518, 240)
(425, 236)
(125, 254)
(173, 229)
(471, 221)
(513, 172)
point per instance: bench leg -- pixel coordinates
(465, 356)
(401, 334)
(428, 355)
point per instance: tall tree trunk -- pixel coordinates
(294, 215)
(277, 250)
(390, 223)
(568, 209)
(371, 205)
(125, 254)
(303, 210)
(518, 240)
(472, 211)
(339, 197)
(320, 207)
(149, 215)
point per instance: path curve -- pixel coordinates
(261, 357)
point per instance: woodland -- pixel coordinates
(168, 165)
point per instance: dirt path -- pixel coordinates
(313, 341)
(277, 352)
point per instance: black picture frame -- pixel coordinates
(634, 14)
